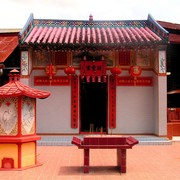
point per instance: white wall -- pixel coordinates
(137, 108)
(134, 113)
(134, 110)
(54, 112)
(160, 105)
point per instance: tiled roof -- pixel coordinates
(7, 44)
(15, 88)
(71, 34)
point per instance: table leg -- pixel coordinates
(121, 160)
(86, 160)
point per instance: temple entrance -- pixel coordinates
(93, 107)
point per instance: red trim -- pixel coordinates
(35, 117)
(55, 81)
(112, 101)
(130, 81)
(74, 102)
(19, 139)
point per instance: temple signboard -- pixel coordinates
(96, 68)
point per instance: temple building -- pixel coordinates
(173, 79)
(104, 76)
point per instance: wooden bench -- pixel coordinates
(106, 142)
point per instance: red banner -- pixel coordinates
(130, 81)
(74, 102)
(55, 81)
(112, 101)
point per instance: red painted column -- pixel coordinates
(86, 160)
(19, 155)
(112, 102)
(74, 101)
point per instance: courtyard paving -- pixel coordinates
(146, 162)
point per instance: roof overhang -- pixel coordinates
(8, 43)
(92, 35)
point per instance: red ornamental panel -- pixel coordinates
(135, 71)
(51, 71)
(90, 68)
(74, 102)
(112, 102)
(55, 81)
(129, 81)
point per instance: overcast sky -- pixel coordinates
(14, 13)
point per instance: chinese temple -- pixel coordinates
(104, 76)
(173, 79)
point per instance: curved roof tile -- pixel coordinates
(15, 88)
(69, 33)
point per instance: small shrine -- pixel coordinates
(18, 148)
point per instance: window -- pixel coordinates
(124, 58)
(60, 58)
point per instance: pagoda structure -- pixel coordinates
(18, 148)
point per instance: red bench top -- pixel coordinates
(105, 141)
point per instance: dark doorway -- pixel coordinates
(93, 107)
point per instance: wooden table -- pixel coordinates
(106, 142)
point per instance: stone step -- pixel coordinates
(66, 140)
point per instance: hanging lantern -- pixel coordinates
(116, 71)
(135, 71)
(51, 71)
(70, 70)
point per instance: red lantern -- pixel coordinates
(51, 71)
(116, 70)
(135, 71)
(70, 70)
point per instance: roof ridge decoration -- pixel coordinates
(86, 35)
(15, 88)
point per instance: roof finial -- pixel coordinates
(90, 17)
(14, 75)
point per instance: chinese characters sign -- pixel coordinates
(55, 81)
(130, 81)
(112, 102)
(96, 68)
(74, 102)
(162, 61)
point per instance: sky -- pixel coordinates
(15, 13)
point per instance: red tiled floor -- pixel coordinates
(65, 162)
